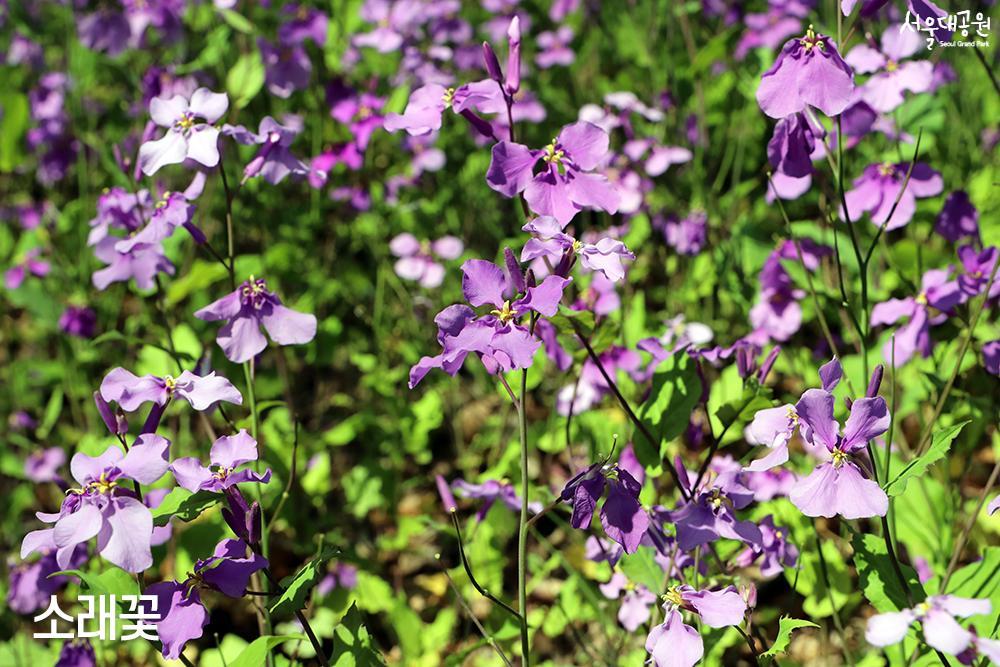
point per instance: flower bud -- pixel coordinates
(115, 422)
(875, 382)
(514, 271)
(768, 364)
(198, 236)
(492, 64)
(480, 125)
(447, 498)
(513, 83)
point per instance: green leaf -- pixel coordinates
(352, 645)
(642, 568)
(237, 21)
(112, 581)
(785, 627)
(52, 411)
(245, 79)
(298, 586)
(256, 654)
(675, 392)
(940, 444)
(200, 276)
(13, 125)
(879, 581)
(566, 318)
(184, 505)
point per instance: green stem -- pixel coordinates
(522, 533)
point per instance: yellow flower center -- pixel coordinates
(891, 66)
(673, 596)
(505, 314)
(448, 97)
(839, 457)
(170, 383)
(103, 486)
(922, 299)
(811, 41)
(553, 156)
(886, 169)
(166, 198)
(185, 122)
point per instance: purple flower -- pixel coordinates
(840, 486)
(936, 615)
(711, 511)
(770, 29)
(395, 20)
(622, 515)
(341, 575)
(77, 653)
(182, 616)
(31, 584)
(228, 453)
(549, 240)
(808, 72)
(958, 218)
(274, 160)
(636, 604)
(417, 259)
(773, 550)
(30, 265)
(249, 308)
(795, 144)
(777, 314)
(173, 210)
(426, 105)
(564, 186)
(991, 357)
(676, 644)
(104, 508)
(44, 466)
(287, 67)
(687, 235)
(554, 48)
(891, 77)
(78, 321)
(202, 392)
(359, 111)
(186, 138)
(489, 492)
(304, 23)
(937, 292)
(978, 268)
(499, 339)
(876, 190)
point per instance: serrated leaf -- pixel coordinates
(184, 505)
(299, 585)
(879, 582)
(674, 394)
(255, 655)
(941, 443)
(785, 627)
(245, 79)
